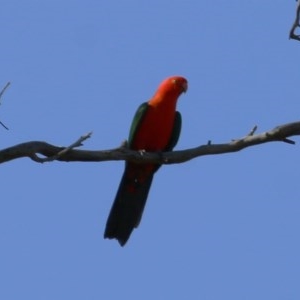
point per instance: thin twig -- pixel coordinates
(1, 93)
(76, 144)
(296, 24)
(253, 130)
(4, 125)
(3, 90)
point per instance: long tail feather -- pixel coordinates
(128, 206)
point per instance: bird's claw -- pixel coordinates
(142, 152)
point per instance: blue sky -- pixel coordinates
(218, 227)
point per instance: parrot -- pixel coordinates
(155, 127)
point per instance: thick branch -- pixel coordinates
(296, 24)
(50, 152)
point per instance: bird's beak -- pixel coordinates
(184, 87)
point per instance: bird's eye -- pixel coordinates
(175, 82)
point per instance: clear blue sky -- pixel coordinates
(219, 227)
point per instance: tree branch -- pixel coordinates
(60, 153)
(296, 24)
(1, 94)
(67, 154)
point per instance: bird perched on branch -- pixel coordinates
(155, 128)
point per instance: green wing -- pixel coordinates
(175, 133)
(137, 119)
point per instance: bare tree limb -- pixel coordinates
(50, 152)
(296, 24)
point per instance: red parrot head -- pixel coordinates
(179, 83)
(172, 86)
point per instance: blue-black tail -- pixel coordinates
(129, 204)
